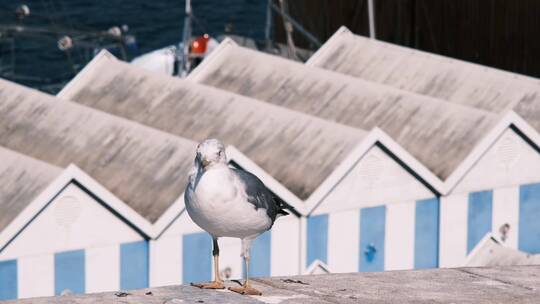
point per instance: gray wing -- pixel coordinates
(260, 196)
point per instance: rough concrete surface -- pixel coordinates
(516, 284)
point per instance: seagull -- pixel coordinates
(229, 202)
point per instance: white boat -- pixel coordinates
(166, 60)
(180, 59)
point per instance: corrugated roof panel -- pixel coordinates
(144, 167)
(438, 133)
(22, 179)
(432, 75)
(299, 150)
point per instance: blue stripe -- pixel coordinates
(196, 257)
(69, 272)
(478, 217)
(8, 280)
(426, 234)
(372, 230)
(259, 264)
(317, 238)
(134, 265)
(529, 218)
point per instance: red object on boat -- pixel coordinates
(198, 46)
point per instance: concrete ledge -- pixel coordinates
(516, 284)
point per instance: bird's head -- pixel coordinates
(209, 153)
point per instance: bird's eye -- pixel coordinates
(220, 153)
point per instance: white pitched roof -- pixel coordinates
(491, 252)
(289, 145)
(146, 168)
(22, 178)
(429, 74)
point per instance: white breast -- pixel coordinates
(219, 205)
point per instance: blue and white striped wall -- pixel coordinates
(197, 258)
(423, 234)
(379, 217)
(183, 254)
(386, 237)
(74, 244)
(124, 266)
(8, 280)
(466, 218)
(501, 188)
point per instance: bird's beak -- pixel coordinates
(205, 162)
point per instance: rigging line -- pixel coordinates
(46, 5)
(7, 9)
(288, 29)
(36, 16)
(297, 26)
(243, 13)
(200, 23)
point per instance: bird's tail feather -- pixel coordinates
(284, 207)
(282, 212)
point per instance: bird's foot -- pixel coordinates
(211, 285)
(246, 290)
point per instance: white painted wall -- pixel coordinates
(229, 257)
(510, 161)
(506, 211)
(376, 179)
(453, 230)
(399, 236)
(182, 225)
(285, 246)
(73, 220)
(166, 251)
(454, 211)
(165, 261)
(102, 268)
(303, 245)
(343, 241)
(36, 276)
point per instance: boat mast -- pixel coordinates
(297, 26)
(288, 28)
(185, 64)
(371, 16)
(268, 29)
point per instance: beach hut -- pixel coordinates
(495, 190)
(495, 194)
(89, 233)
(441, 134)
(299, 151)
(62, 232)
(437, 134)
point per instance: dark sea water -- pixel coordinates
(155, 24)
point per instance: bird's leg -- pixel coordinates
(246, 289)
(218, 282)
